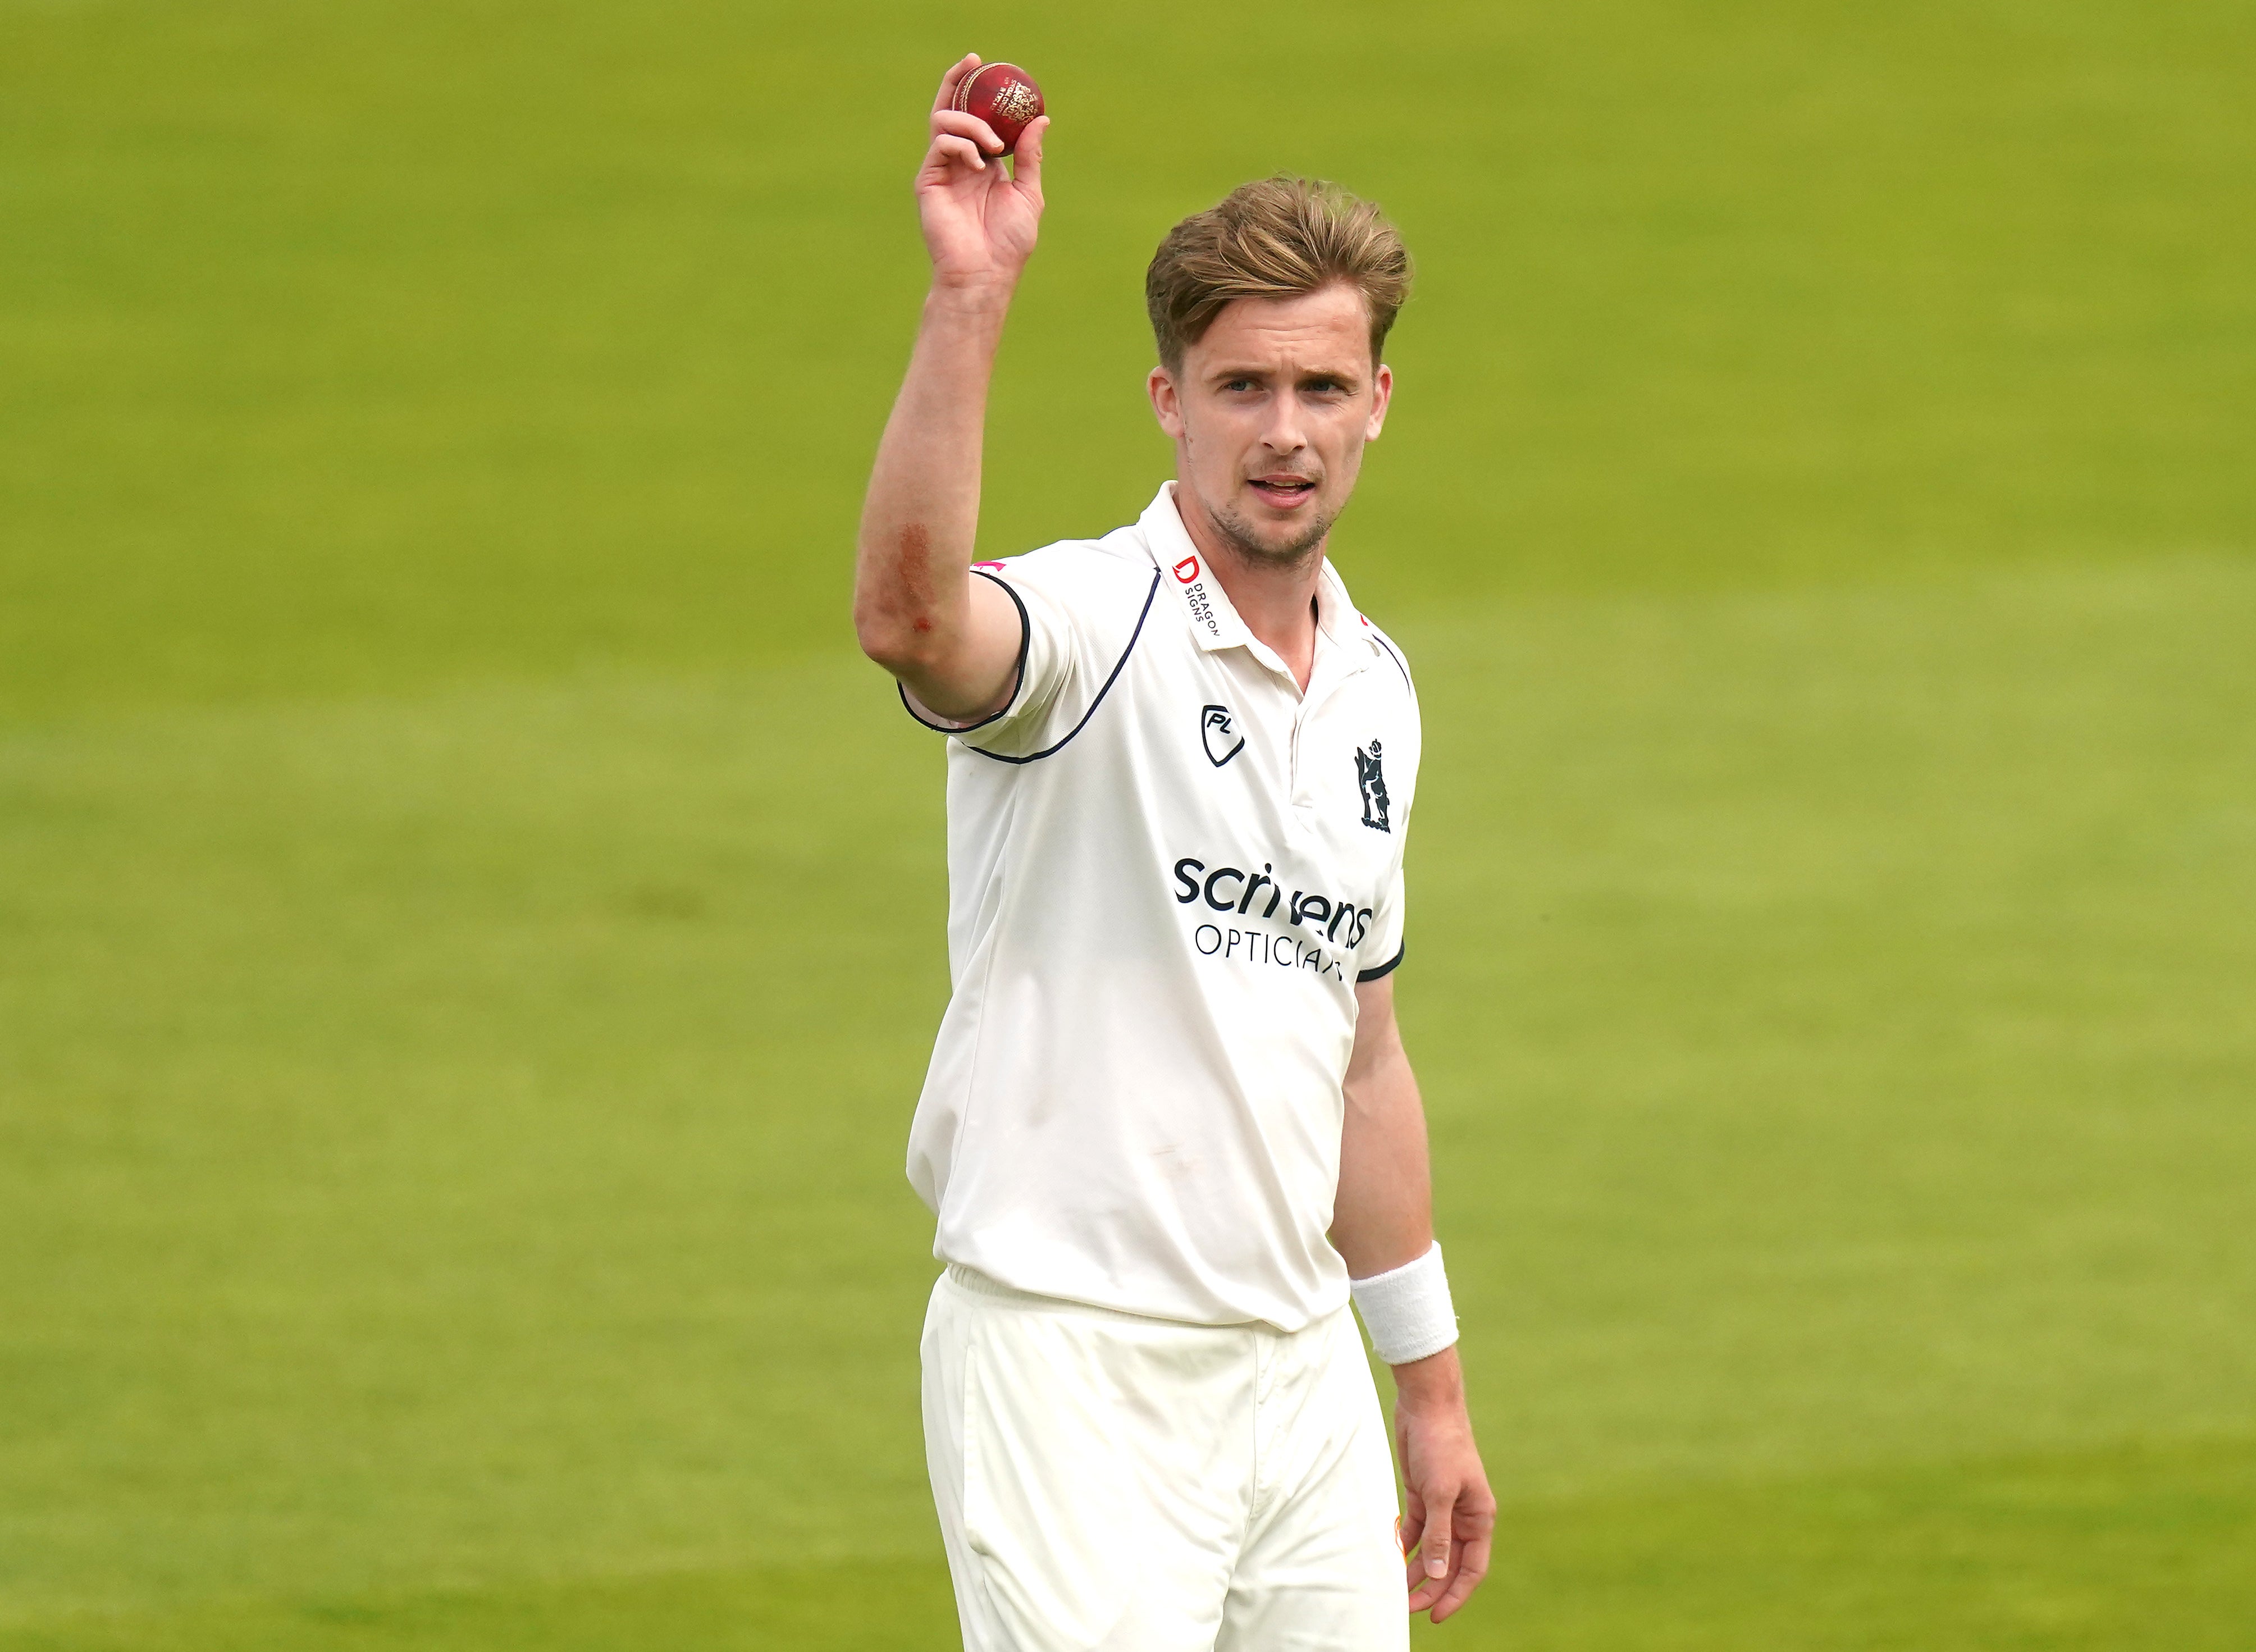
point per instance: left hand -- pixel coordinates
(1450, 1518)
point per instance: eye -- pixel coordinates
(1238, 384)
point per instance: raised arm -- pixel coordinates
(951, 639)
(1382, 1219)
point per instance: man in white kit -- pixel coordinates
(1169, 1128)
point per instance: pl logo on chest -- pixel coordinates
(1371, 780)
(1219, 730)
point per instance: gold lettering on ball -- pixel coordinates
(1016, 101)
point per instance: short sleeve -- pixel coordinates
(1077, 614)
(1381, 948)
(1380, 951)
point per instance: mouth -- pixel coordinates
(1284, 490)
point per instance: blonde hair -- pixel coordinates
(1276, 238)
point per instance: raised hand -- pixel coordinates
(954, 641)
(979, 220)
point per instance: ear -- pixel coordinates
(1382, 393)
(1167, 406)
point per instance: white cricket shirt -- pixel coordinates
(1168, 869)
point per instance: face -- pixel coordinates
(1269, 414)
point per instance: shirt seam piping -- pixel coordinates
(1018, 685)
(1120, 666)
(1399, 665)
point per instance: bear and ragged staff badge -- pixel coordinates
(1371, 779)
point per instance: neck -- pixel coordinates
(1276, 596)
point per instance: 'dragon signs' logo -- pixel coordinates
(1219, 730)
(1371, 780)
(1186, 571)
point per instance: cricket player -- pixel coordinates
(1169, 1129)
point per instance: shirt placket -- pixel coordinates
(1330, 670)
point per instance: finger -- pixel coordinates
(963, 67)
(1472, 1566)
(1433, 1549)
(1418, 1529)
(970, 126)
(1407, 1525)
(1026, 159)
(950, 151)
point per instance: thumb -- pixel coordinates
(1026, 169)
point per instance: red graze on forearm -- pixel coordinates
(916, 571)
(899, 600)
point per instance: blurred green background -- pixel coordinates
(470, 926)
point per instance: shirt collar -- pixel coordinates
(1214, 621)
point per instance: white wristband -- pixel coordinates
(1406, 1310)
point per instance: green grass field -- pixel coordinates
(469, 926)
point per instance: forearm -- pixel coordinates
(1383, 1220)
(921, 519)
(1383, 1216)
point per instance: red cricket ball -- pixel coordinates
(1003, 96)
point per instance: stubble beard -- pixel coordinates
(1241, 538)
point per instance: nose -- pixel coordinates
(1283, 434)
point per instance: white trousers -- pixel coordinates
(1108, 1481)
